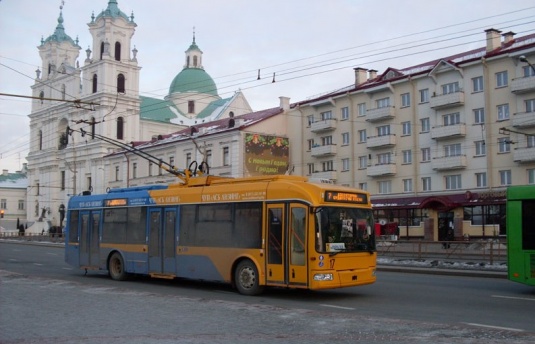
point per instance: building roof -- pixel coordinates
(392, 74)
(193, 80)
(17, 180)
(113, 11)
(59, 34)
(156, 109)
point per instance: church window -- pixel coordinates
(195, 61)
(63, 91)
(42, 96)
(117, 51)
(120, 128)
(191, 106)
(40, 139)
(101, 49)
(120, 83)
(92, 127)
(95, 83)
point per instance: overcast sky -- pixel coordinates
(312, 46)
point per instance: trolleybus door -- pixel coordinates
(286, 244)
(162, 243)
(89, 238)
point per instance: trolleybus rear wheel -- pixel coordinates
(246, 277)
(116, 267)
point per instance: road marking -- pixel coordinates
(339, 307)
(37, 264)
(495, 327)
(67, 268)
(12, 260)
(52, 254)
(514, 298)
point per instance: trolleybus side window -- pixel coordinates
(137, 218)
(114, 228)
(73, 226)
(275, 236)
(297, 236)
(528, 219)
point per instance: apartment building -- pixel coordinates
(436, 144)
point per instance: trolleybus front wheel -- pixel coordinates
(246, 277)
(116, 267)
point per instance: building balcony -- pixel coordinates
(380, 114)
(325, 150)
(324, 125)
(449, 163)
(524, 120)
(330, 175)
(443, 101)
(448, 131)
(524, 154)
(381, 170)
(381, 141)
(523, 85)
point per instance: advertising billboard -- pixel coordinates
(265, 154)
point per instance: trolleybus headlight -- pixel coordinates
(323, 277)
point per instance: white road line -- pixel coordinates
(67, 268)
(37, 264)
(514, 298)
(52, 254)
(339, 307)
(495, 327)
(12, 260)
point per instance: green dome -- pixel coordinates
(193, 80)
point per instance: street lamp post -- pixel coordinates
(525, 60)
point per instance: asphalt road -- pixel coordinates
(43, 300)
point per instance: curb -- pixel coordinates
(444, 272)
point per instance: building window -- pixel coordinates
(424, 122)
(407, 156)
(453, 182)
(209, 157)
(191, 106)
(504, 145)
(345, 164)
(407, 185)
(501, 79)
(477, 84)
(452, 150)
(172, 161)
(530, 141)
(424, 95)
(362, 136)
(345, 113)
(406, 127)
(94, 86)
(328, 166)
(531, 176)
(363, 186)
(385, 187)
(89, 184)
(40, 138)
(326, 115)
(530, 105)
(426, 184)
(479, 116)
(426, 154)
(226, 156)
(62, 180)
(310, 143)
(503, 112)
(63, 91)
(384, 158)
(383, 130)
(38, 189)
(120, 128)
(188, 159)
(311, 169)
(481, 180)
(451, 119)
(93, 127)
(117, 51)
(3, 203)
(505, 177)
(120, 84)
(405, 100)
(310, 119)
(345, 139)
(450, 88)
(116, 173)
(481, 148)
(361, 109)
(327, 140)
(363, 162)
(150, 168)
(382, 103)
(134, 170)
(21, 204)
(528, 71)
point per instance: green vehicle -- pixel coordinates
(521, 234)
